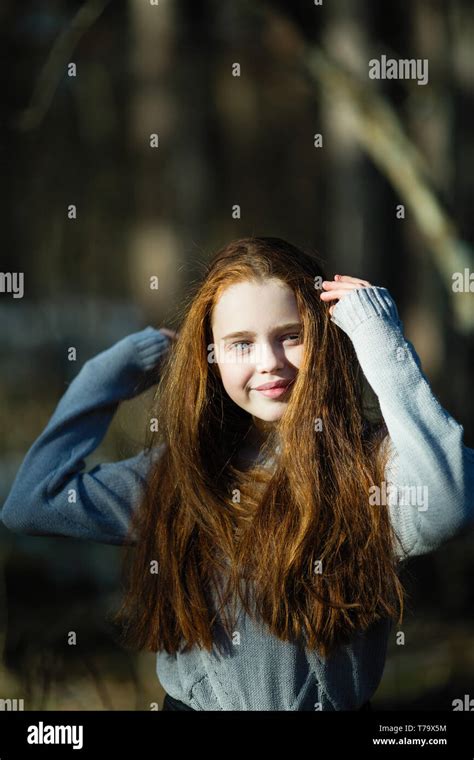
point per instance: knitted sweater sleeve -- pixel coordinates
(429, 481)
(51, 494)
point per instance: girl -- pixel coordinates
(270, 511)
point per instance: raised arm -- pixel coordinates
(51, 495)
(429, 464)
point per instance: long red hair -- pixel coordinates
(298, 544)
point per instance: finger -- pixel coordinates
(328, 295)
(170, 333)
(347, 278)
(331, 284)
(333, 294)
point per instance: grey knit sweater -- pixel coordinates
(428, 490)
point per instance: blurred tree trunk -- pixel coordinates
(153, 243)
(172, 96)
(348, 186)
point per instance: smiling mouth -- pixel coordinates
(275, 392)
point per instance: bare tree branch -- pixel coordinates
(380, 134)
(54, 68)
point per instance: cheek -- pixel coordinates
(295, 356)
(298, 359)
(234, 377)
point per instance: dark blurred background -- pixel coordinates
(166, 69)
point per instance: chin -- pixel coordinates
(270, 415)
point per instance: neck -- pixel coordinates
(259, 431)
(253, 441)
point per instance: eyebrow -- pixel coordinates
(280, 328)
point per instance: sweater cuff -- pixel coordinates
(150, 345)
(362, 304)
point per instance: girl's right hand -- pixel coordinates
(151, 347)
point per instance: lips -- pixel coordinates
(275, 384)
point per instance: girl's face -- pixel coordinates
(258, 340)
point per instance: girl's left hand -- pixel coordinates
(341, 286)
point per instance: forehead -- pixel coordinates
(253, 305)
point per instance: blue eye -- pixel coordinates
(295, 337)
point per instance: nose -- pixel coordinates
(269, 358)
